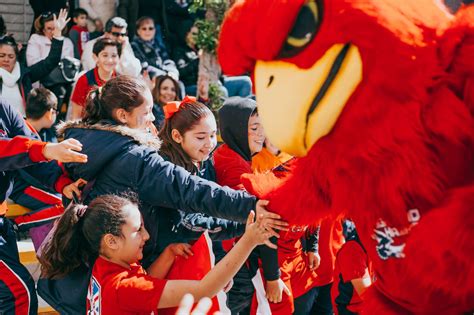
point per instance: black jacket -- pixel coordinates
(187, 62)
(176, 226)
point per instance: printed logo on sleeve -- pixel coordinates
(93, 295)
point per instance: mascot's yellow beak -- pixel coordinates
(299, 106)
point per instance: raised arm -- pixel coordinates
(19, 152)
(164, 184)
(221, 274)
(45, 66)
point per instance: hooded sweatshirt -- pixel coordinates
(234, 120)
(233, 159)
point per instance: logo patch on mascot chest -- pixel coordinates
(391, 240)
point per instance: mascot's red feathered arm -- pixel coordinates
(439, 251)
(441, 245)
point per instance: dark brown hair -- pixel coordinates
(188, 115)
(41, 20)
(101, 43)
(77, 239)
(124, 91)
(156, 89)
(10, 41)
(39, 101)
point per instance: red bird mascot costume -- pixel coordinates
(377, 97)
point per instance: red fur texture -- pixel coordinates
(403, 144)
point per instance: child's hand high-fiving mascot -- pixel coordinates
(377, 97)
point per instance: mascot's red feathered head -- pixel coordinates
(346, 83)
(377, 96)
(318, 61)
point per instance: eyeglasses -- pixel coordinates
(118, 34)
(151, 28)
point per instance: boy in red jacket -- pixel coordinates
(79, 33)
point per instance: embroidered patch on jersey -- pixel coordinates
(390, 240)
(388, 244)
(93, 295)
(298, 228)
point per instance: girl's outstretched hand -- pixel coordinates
(180, 249)
(203, 306)
(66, 151)
(270, 220)
(256, 232)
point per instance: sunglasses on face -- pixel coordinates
(118, 34)
(151, 28)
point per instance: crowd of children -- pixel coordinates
(158, 207)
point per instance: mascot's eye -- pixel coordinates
(304, 29)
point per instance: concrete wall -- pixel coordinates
(18, 18)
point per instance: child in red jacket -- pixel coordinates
(79, 34)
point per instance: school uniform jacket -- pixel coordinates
(22, 152)
(17, 149)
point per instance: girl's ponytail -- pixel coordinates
(68, 248)
(124, 92)
(79, 233)
(95, 110)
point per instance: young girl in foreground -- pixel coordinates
(111, 230)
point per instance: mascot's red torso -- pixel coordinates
(397, 156)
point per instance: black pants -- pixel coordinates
(316, 301)
(239, 298)
(17, 288)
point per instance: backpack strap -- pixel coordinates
(90, 75)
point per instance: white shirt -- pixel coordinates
(39, 46)
(10, 89)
